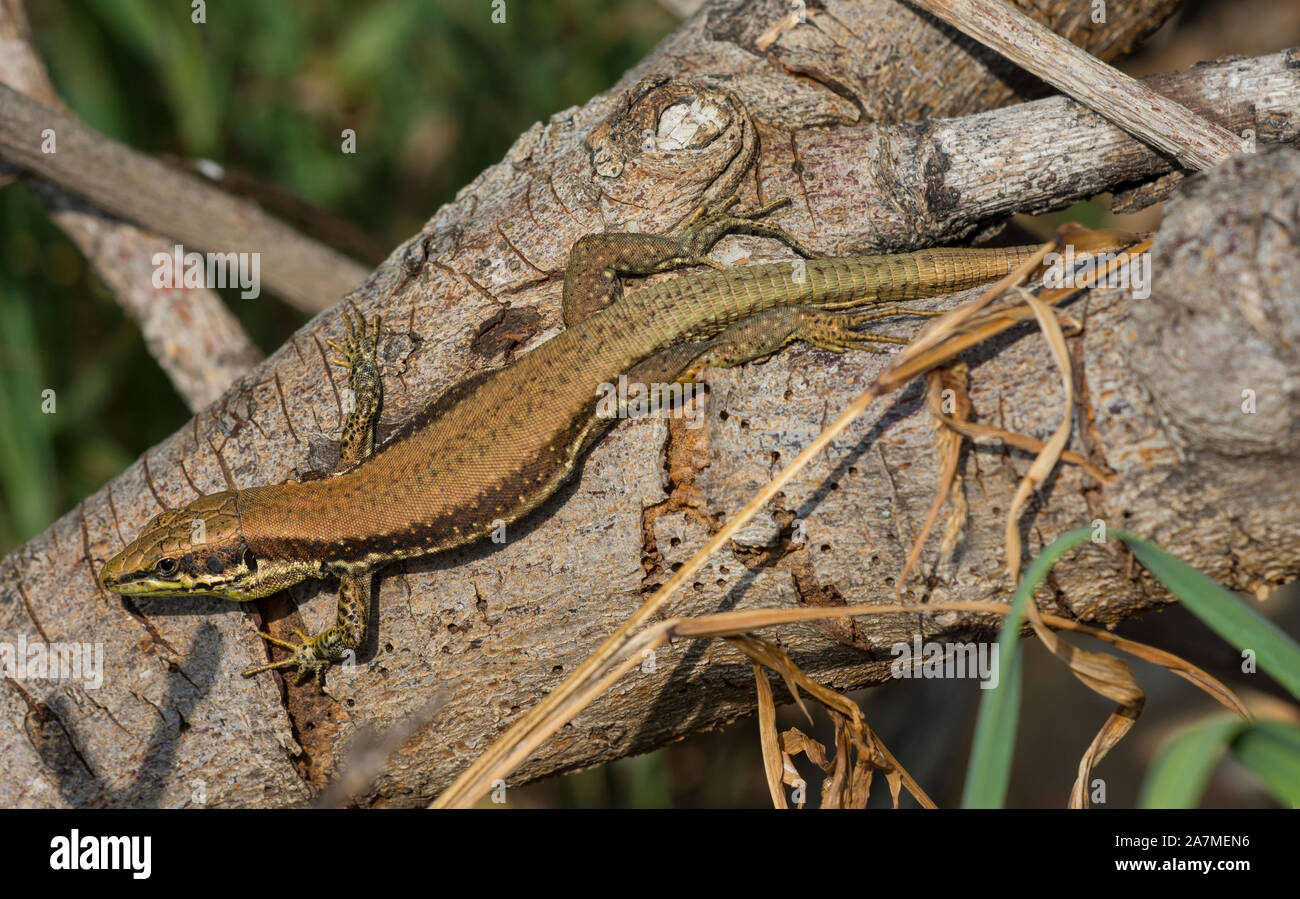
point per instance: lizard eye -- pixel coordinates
(166, 567)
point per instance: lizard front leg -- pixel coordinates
(359, 354)
(591, 277)
(313, 655)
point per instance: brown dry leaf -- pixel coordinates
(864, 770)
(977, 431)
(772, 761)
(1046, 460)
(835, 790)
(767, 654)
(730, 623)
(793, 742)
(858, 751)
(1181, 667)
(1113, 678)
(956, 519)
(791, 777)
(1117, 725)
(938, 382)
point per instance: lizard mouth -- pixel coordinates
(145, 583)
(139, 584)
(112, 577)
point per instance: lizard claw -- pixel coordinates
(304, 658)
(705, 226)
(357, 345)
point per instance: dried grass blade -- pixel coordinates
(1046, 460)
(773, 765)
(938, 381)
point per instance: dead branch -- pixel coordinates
(142, 190)
(1155, 119)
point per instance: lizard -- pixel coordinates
(495, 445)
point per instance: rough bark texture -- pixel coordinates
(887, 60)
(174, 723)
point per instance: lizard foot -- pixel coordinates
(359, 354)
(304, 658)
(359, 349)
(706, 226)
(837, 331)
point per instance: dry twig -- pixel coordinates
(1168, 126)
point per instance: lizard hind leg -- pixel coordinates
(767, 332)
(838, 331)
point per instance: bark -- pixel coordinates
(495, 626)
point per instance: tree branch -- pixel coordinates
(201, 357)
(1140, 111)
(140, 189)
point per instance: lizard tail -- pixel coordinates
(928, 273)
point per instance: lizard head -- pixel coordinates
(194, 550)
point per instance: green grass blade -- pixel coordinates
(1223, 612)
(1271, 750)
(1178, 777)
(989, 770)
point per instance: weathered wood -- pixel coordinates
(1142, 112)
